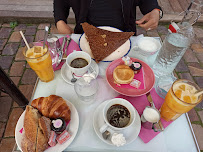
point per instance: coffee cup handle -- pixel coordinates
(103, 128)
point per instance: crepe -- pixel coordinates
(102, 42)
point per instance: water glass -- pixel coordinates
(86, 91)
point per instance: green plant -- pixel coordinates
(13, 24)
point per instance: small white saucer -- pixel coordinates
(66, 73)
(130, 134)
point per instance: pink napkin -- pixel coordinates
(72, 46)
(140, 77)
(140, 103)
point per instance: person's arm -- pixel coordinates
(150, 9)
(61, 12)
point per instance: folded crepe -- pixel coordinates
(102, 42)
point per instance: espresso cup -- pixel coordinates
(108, 109)
(78, 72)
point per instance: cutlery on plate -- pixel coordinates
(73, 80)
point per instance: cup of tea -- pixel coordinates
(78, 62)
(118, 114)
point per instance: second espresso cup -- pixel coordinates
(118, 115)
(74, 59)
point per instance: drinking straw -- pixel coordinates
(21, 33)
(45, 35)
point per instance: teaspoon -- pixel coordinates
(73, 80)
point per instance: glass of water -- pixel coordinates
(86, 90)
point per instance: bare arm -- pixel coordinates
(63, 28)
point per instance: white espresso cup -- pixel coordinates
(78, 72)
(117, 101)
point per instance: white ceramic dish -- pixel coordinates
(67, 76)
(130, 133)
(120, 52)
(72, 129)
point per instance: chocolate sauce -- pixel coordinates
(118, 116)
(78, 63)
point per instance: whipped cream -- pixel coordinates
(118, 139)
(88, 77)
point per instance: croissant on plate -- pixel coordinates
(53, 107)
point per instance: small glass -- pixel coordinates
(39, 60)
(85, 90)
(180, 99)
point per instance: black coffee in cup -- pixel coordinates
(118, 116)
(79, 63)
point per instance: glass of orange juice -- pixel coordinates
(39, 60)
(180, 99)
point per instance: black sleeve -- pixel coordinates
(147, 6)
(61, 10)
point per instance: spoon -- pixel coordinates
(45, 35)
(73, 80)
(106, 134)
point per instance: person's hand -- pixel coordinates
(150, 20)
(63, 28)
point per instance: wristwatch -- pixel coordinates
(160, 13)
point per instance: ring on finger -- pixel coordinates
(149, 29)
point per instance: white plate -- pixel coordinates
(130, 134)
(66, 73)
(73, 129)
(120, 52)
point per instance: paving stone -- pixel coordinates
(30, 31)
(201, 115)
(15, 37)
(141, 31)
(189, 56)
(29, 77)
(20, 27)
(43, 25)
(5, 32)
(153, 33)
(19, 54)
(39, 36)
(199, 81)
(201, 39)
(6, 25)
(16, 80)
(199, 134)
(32, 26)
(13, 119)
(5, 61)
(198, 32)
(29, 40)
(162, 30)
(200, 56)
(5, 105)
(195, 69)
(163, 37)
(10, 49)
(181, 66)
(200, 105)
(17, 68)
(186, 76)
(53, 29)
(72, 26)
(193, 115)
(2, 129)
(27, 90)
(15, 104)
(2, 43)
(197, 47)
(7, 144)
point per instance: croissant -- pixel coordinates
(53, 107)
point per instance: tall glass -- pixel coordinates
(39, 60)
(180, 99)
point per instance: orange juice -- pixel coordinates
(180, 99)
(40, 61)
